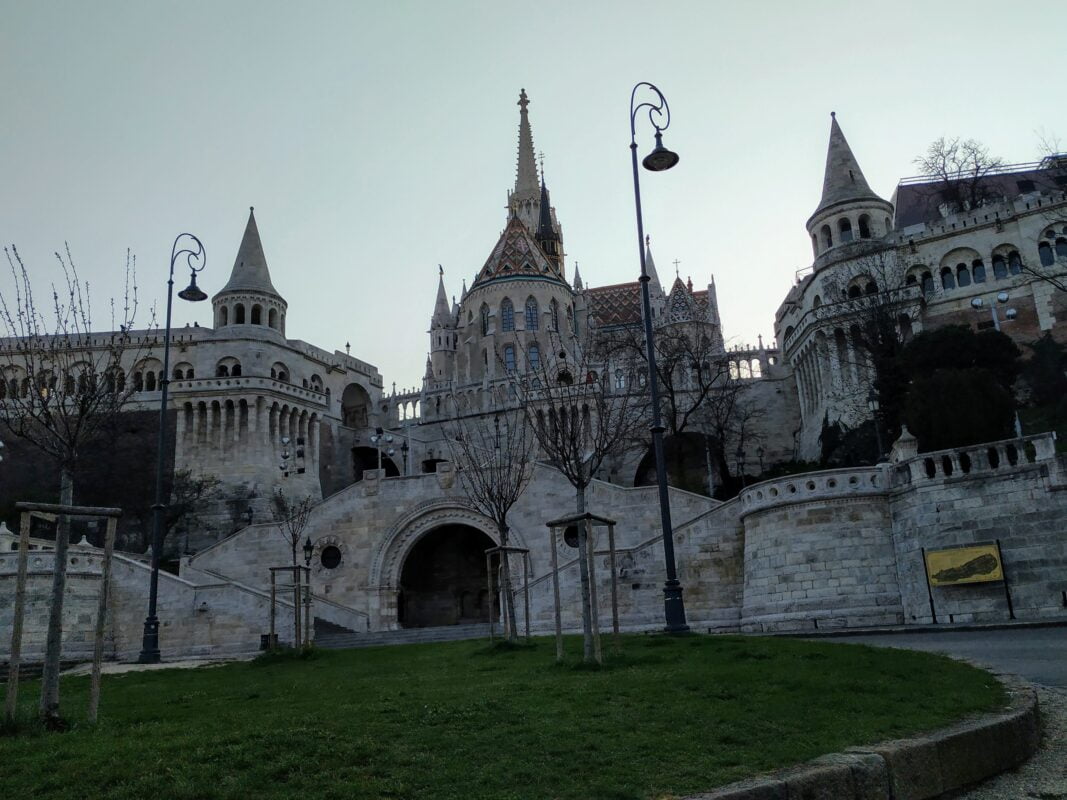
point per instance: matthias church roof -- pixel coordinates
(517, 254)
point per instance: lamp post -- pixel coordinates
(658, 160)
(759, 455)
(377, 439)
(309, 549)
(1002, 298)
(874, 406)
(404, 449)
(195, 259)
(740, 455)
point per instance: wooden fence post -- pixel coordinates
(101, 619)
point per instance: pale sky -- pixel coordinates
(377, 140)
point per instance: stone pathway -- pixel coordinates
(114, 668)
(1043, 777)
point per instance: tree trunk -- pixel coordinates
(583, 570)
(509, 591)
(54, 644)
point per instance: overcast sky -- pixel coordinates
(377, 140)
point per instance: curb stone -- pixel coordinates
(919, 768)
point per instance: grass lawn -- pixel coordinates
(667, 717)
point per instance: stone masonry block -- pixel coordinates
(913, 765)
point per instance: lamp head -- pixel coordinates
(309, 548)
(976, 302)
(660, 158)
(872, 401)
(192, 292)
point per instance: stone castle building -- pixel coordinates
(401, 546)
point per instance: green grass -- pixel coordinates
(667, 717)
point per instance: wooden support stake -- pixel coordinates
(273, 598)
(594, 605)
(489, 586)
(526, 590)
(11, 700)
(555, 594)
(101, 620)
(614, 588)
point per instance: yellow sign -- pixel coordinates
(978, 564)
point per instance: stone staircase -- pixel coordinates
(334, 637)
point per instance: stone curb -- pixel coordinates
(926, 766)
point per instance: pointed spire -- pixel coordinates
(843, 179)
(429, 369)
(544, 223)
(442, 313)
(463, 293)
(526, 172)
(577, 278)
(250, 271)
(650, 265)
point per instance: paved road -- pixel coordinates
(1037, 654)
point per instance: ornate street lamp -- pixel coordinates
(378, 438)
(658, 160)
(309, 549)
(874, 407)
(741, 464)
(195, 259)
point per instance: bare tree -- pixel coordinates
(579, 423)
(959, 168)
(61, 387)
(188, 494)
(494, 459)
(292, 517)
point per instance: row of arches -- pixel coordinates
(847, 229)
(531, 316)
(226, 423)
(1053, 246)
(256, 314)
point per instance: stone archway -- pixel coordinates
(443, 579)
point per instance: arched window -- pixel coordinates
(888, 226)
(827, 237)
(224, 316)
(911, 280)
(978, 271)
(816, 302)
(178, 374)
(1044, 251)
(963, 275)
(928, 283)
(844, 229)
(814, 245)
(553, 309)
(571, 326)
(222, 371)
(865, 226)
(272, 318)
(1061, 247)
(507, 315)
(138, 382)
(870, 288)
(532, 314)
(947, 281)
(239, 314)
(535, 357)
(509, 358)
(620, 379)
(485, 320)
(150, 382)
(1015, 263)
(257, 315)
(1000, 267)
(854, 291)
(235, 371)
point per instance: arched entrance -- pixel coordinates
(355, 405)
(364, 458)
(443, 580)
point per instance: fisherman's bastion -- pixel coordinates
(396, 544)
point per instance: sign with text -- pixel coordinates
(977, 564)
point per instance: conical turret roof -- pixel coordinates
(650, 266)
(442, 312)
(250, 273)
(843, 180)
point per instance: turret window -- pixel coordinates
(827, 237)
(1015, 263)
(272, 318)
(844, 227)
(978, 271)
(532, 314)
(257, 315)
(865, 226)
(224, 316)
(963, 275)
(507, 316)
(947, 280)
(1000, 267)
(239, 314)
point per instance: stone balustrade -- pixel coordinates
(823, 485)
(1002, 457)
(245, 384)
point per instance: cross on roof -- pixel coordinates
(676, 263)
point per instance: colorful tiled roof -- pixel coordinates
(516, 254)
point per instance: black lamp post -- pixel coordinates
(874, 406)
(195, 259)
(309, 549)
(741, 465)
(404, 450)
(658, 160)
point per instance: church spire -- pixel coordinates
(250, 271)
(843, 180)
(442, 312)
(526, 171)
(650, 266)
(577, 278)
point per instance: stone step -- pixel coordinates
(449, 633)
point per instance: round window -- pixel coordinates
(570, 536)
(331, 557)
